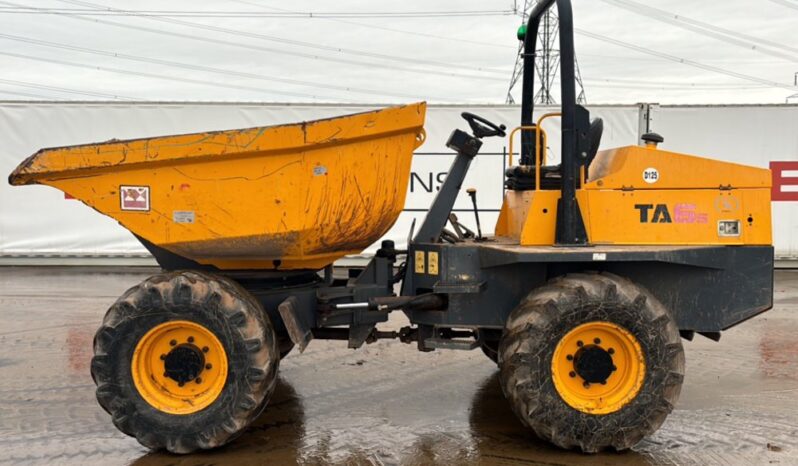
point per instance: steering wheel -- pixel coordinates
(481, 127)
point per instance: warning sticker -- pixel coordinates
(135, 197)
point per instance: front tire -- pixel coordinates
(591, 362)
(185, 361)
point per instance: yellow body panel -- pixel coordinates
(624, 167)
(646, 196)
(519, 206)
(694, 216)
(295, 196)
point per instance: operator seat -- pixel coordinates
(522, 177)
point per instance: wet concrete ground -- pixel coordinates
(384, 404)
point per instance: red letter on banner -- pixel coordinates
(785, 181)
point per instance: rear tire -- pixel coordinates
(532, 378)
(210, 307)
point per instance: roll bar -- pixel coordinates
(575, 118)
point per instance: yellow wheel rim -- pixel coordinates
(179, 367)
(598, 367)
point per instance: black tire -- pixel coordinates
(532, 333)
(221, 306)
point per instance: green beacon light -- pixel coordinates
(521, 33)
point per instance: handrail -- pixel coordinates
(545, 137)
(537, 158)
(540, 159)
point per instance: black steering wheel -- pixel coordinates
(483, 128)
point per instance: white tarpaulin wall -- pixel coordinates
(38, 221)
(749, 134)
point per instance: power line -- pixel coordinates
(411, 60)
(671, 88)
(675, 84)
(725, 35)
(448, 73)
(153, 75)
(260, 14)
(459, 40)
(274, 50)
(62, 89)
(193, 67)
(27, 94)
(684, 61)
(786, 3)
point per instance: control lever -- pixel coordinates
(473, 193)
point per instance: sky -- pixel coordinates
(442, 51)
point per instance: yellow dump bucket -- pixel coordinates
(296, 196)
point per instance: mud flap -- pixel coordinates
(358, 334)
(298, 331)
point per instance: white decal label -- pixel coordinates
(599, 256)
(135, 198)
(650, 175)
(319, 170)
(183, 216)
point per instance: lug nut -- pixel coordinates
(611, 351)
(614, 368)
(208, 366)
(163, 356)
(165, 374)
(603, 382)
(572, 374)
(180, 384)
(191, 339)
(205, 349)
(597, 341)
(586, 384)
(579, 343)
(198, 380)
(173, 342)
(569, 357)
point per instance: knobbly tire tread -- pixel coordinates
(222, 306)
(538, 323)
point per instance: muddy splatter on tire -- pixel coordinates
(546, 317)
(214, 305)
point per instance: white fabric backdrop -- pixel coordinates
(750, 134)
(36, 220)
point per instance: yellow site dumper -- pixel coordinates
(598, 269)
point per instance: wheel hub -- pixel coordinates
(184, 363)
(598, 367)
(179, 367)
(593, 364)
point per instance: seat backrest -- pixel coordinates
(594, 137)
